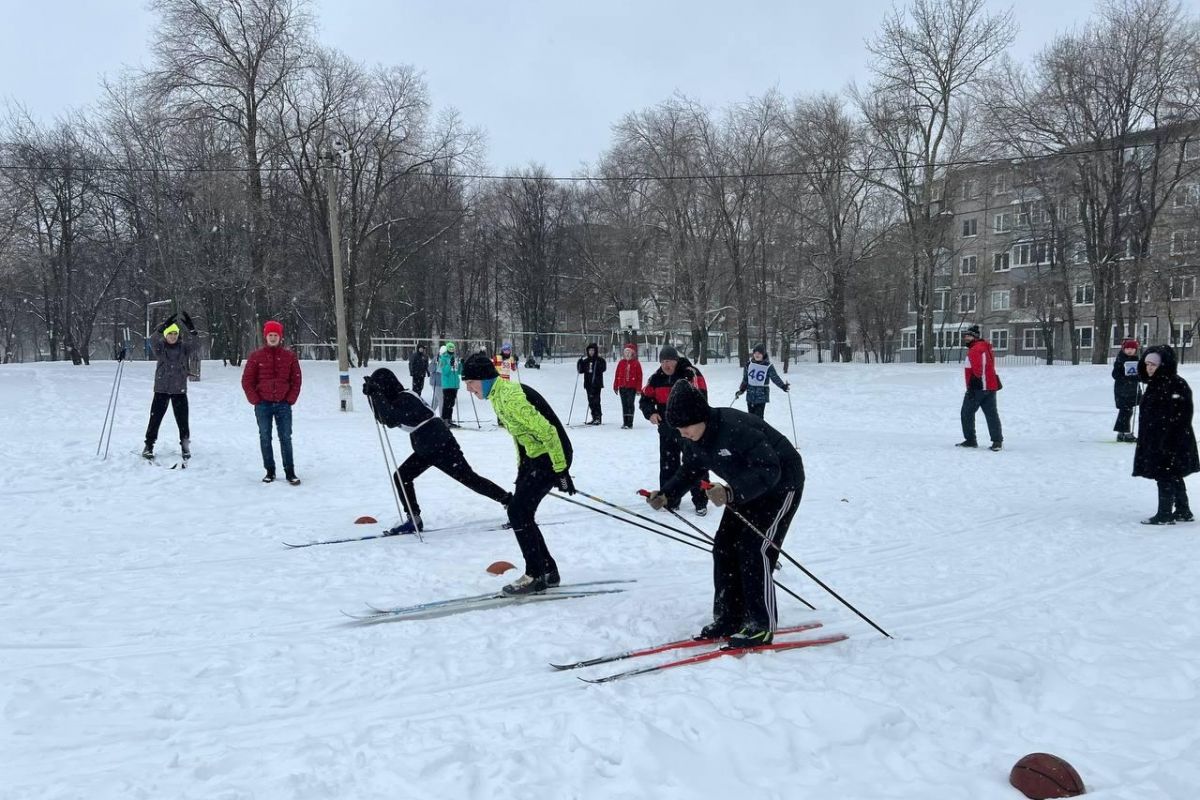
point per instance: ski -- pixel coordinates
(458, 605)
(718, 653)
(386, 535)
(663, 648)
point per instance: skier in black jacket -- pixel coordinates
(418, 365)
(672, 368)
(1126, 391)
(764, 479)
(592, 367)
(432, 443)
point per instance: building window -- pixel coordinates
(1079, 256)
(908, 340)
(1001, 300)
(946, 339)
(969, 265)
(1031, 253)
(1181, 333)
(1001, 262)
(1183, 288)
(970, 189)
(1187, 195)
(999, 338)
(1183, 242)
(1002, 184)
(970, 227)
(941, 299)
(1034, 339)
(1118, 337)
(966, 302)
(1083, 336)
(1191, 150)
(1002, 223)
(1085, 294)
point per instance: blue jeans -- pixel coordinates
(264, 412)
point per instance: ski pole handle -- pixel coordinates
(706, 485)
(644, 492)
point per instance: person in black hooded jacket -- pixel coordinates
(672, 368)
(433, 445)
(1126, 391)
(1166, 444)
(764, 480)
(592, 367)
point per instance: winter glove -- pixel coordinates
(657, 500)
(719, 494)
(787, 387)
(564, 483)
(975, 383)
(165, 323)
(187, 323)
(738, 393)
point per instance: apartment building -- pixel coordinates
(1016, 254)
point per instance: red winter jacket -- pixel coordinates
(980, 371)
(272, 374)
(628, 374)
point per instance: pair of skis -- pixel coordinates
(707, 655)
(385, 535)
(462, 605)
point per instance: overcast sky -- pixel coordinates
(545, 79)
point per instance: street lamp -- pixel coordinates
(345, 396)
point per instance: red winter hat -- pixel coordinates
(273, 326)
(1129, 343)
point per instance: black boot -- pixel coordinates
(967, 443)
(1183, 510)
(148, 451)
(1166, 505)
(717, 629)
(751, 636)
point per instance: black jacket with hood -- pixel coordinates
(1166, 445)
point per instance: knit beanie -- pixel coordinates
(172, 328)
(273, 326)
(686, 406)
(478, 367)
(668, 353)
(1129, 343)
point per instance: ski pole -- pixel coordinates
(630, 522)
(476, 410)
(110, 410)
(795, 443)
(706, 485)
(703, 537)
(736, 395)
(693, 526)
(112, 422)
(394, 479)
(573, 393)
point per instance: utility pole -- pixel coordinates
(345, 396)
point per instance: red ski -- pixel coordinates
(662, 648)
(723, 651)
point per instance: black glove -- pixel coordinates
(564, 483)
(165, 323)
(787, 387)
(738, 393)
(975, 383)
(187, 323)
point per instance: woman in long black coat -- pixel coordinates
(1166, 445)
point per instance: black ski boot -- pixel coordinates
(717, 629)
(148, 451)
(750, 636)
(526, 584)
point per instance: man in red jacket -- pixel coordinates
(271, 381)
(982, 385)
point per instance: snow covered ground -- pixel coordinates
(158, 641)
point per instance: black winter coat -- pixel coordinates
(751, 457)
(396, 407)
(1166, 445)
(418, 364)
(1125, 386)
(592, 367)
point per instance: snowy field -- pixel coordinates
(158, 641)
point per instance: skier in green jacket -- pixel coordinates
(543, 461)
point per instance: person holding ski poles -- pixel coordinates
(592, 367)
(449, 367)
(672, 368)
(755, 374)
(170, 382)
(764, 480)
(1127, 390)
(543, 460)
(433, 445)
(627, 382)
